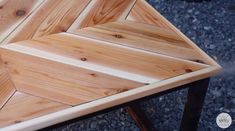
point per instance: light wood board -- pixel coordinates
(59, 81)
(142, 12)
(103, 11)
(23, 106)
(53, 16)
(7, 88)
(81, 56)
(145, 37)
(13, 13)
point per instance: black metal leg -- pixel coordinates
(194, 103)
(140, 118)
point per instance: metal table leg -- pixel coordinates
(194, 103)
(139, 117)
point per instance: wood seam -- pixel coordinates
(36, 8)
(137, 49)
(75, 63)
(8, 100)
(110, 101)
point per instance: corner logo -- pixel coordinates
(224, 120)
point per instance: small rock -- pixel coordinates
(122, 123)
(160, 98)
(226, 110)
(93, 125)
(206, 27)
(216, 93)
(197, 12)
(212, 46)
(190, 11)
(167, 109)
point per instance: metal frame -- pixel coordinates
(191, 116)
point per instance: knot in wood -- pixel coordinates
(188, 70)
(83, 59)
(20, 12)
(118, 36)
(199, 61)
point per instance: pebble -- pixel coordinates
(216, 93)
(207, 27)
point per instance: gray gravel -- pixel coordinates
(212, 26)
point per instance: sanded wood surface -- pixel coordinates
(59, 81)
(116, 57)
(53, 16)
(89, 54)
(7, 88)
(142, 12)
(143, 36)
(13, 12)
(23, 106)
(103, 11)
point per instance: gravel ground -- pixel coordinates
(212, 26)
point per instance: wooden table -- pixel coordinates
(66, 59)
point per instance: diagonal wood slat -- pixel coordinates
(14, 12)
(91, 54)
(18, 110)
(142, 12)
(59, 81)
(103, 11)
(142, 36)
(53, 16)
(108, 55)
(7, 88)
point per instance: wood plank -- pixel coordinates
(150, 14)
(114, 100)
(142, 36)
(99, 67)
(13, 13)
(23, 107)
(7, 88)
(108, 55)
(148, 31)
(144, 13)
(103, 11)
(61, 82)
(53, 16)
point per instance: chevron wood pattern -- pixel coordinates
(17, 109)
(75, 57)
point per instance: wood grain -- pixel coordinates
(142, 36)
(7, 88)
(13, 13)
(61, 82)
(53, 16)
(117, 99)
(112, 52)
(142, 12)
(103, 11)
(112, 56)
(23, 107)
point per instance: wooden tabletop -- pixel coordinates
(62, 59)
